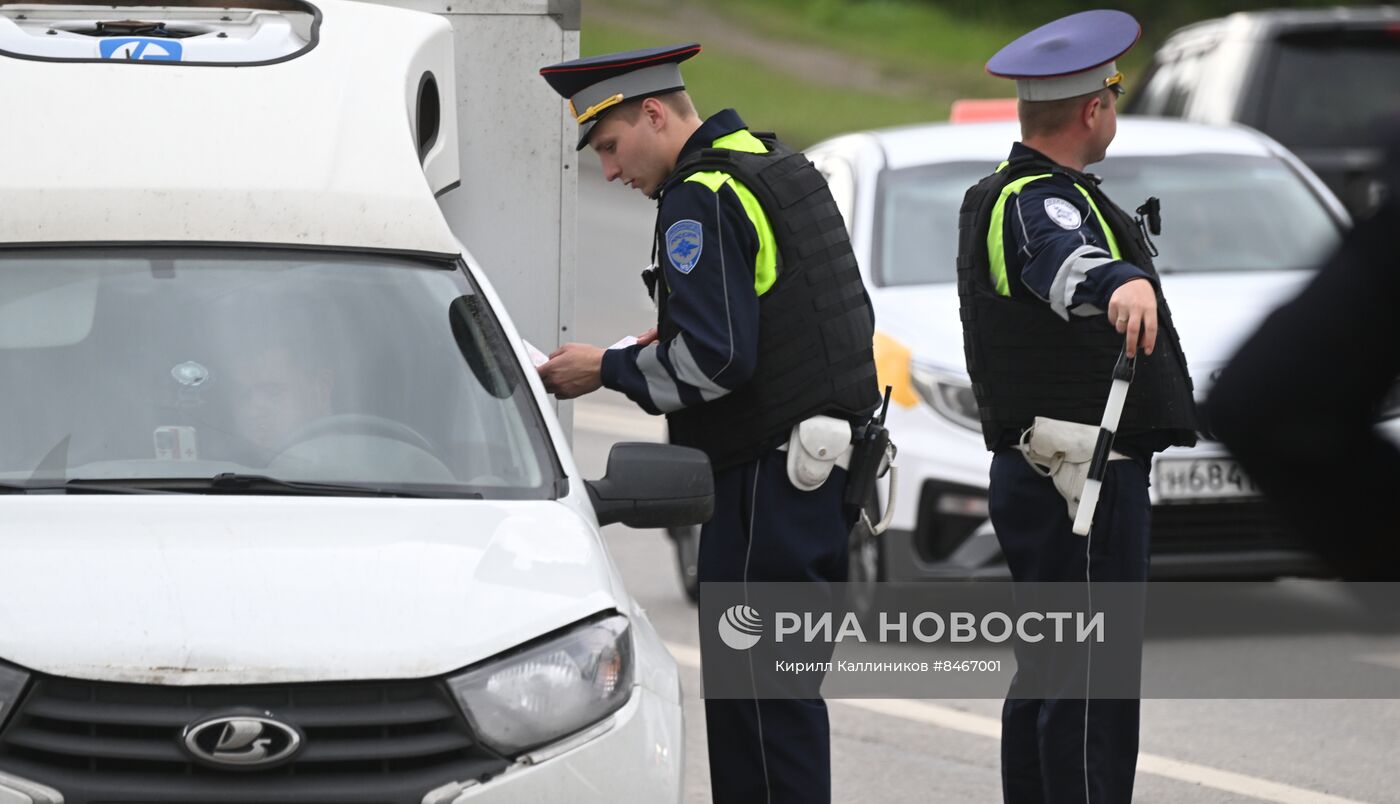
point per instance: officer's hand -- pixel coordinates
(573, 370)
(1132, 310)
(647, 337)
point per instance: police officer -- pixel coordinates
(763, 324)
(1055, 281)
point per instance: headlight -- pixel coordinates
(892, 360)
(12, 681)
(949, 394)
(550, 690)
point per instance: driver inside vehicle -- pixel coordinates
(291, 418)
(278, 391)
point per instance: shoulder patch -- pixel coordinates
(1063, 213)
(684, 242)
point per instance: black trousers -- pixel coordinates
(771, 751)
(1069, 750)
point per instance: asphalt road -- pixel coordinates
(1304, 751)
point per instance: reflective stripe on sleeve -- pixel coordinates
(665, 395)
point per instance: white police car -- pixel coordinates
(1242, 222)
(286, 514)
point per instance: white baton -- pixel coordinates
(1112, 412)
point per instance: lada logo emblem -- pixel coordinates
(242, 741)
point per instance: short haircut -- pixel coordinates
(1043, 118)
(678, 101)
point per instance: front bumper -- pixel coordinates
(638, 749)
(942, 530)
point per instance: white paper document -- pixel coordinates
(537, 358)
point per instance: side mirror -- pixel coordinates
(654, 486)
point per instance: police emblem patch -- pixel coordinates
(1063, 213)
(684, 242)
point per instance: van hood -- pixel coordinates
(187, 590)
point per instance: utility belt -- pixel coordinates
(1061, 451)
(821, 444)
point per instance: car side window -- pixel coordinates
(1173, 82)
(1151, 97)
(1185, 77)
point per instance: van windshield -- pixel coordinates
(133, 364)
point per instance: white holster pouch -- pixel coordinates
(1061, 451)
(817, 446)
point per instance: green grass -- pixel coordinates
(909, 36)
(801, 112)
(906, 36)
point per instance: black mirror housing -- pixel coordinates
(654, 486)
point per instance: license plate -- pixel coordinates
(1201, 479)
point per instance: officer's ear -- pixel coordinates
(655, 113)
(1097, 107)
(1091, 110)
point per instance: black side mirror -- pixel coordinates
(654, 486)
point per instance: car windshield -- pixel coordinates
(1220, 212)
(1303, 107)
(125, 365)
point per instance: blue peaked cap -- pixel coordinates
(1071, 56)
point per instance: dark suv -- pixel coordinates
(1324, 82)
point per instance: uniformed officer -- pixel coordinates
(1055, 281)
(763, 323)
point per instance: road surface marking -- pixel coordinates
(982, 726)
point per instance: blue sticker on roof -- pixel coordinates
(684, 242)
(142, 49)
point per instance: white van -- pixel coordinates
(285, 515)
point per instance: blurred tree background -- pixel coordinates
(1158, 18)
(809, 69)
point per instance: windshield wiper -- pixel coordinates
(235, 481)
(238, 483)
(225, 483)
(85, 486)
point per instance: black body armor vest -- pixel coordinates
(816, 327)
(1026, 361)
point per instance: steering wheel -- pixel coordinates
(365, 424)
